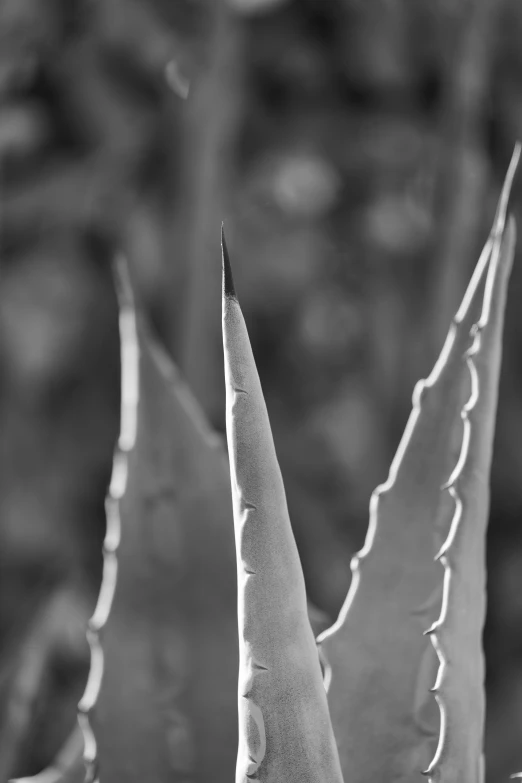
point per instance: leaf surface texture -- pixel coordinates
(159, 704)
(380, 666)
(285, 731)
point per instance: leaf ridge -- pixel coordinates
(285, 731)
(382, 489)
(451, 485)
(117, 487)
(377, 667)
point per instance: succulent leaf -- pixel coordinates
(457, 634)
(285, 731)
(167, 646)
(379, 669)
(175, 503)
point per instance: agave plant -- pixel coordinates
(396, 686)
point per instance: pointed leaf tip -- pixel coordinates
(228, 280)
(285, 731)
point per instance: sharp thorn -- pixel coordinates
(228, 280)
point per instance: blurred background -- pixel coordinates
(355, 151)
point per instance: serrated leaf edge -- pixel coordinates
(117, 487)
(494, 242)
(382, 489)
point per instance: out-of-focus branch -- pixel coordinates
(463, 163)
(459, 196)
(211, 122)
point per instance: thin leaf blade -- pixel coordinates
(457, 635)
(160, 695)
(284, 727)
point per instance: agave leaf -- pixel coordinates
(164, 633)
(457, 634)
(285, 732)
(176, 504)
(379, 667)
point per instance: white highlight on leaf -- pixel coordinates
(113, 531)
(108, 587)
(256, 756)
(89, 752)
(489, 259)
(119, 475)
(418, 393)
(495, 242)
(129, 378)
(117, 488)
(176, 80)
(95, 673)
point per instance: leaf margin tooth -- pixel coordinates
(129, 395)
(496, 243)
(247, 418)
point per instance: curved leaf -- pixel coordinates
(379, 665)
(285, 733)
(164, 633)
(457, 634)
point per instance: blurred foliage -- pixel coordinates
(355, 151)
